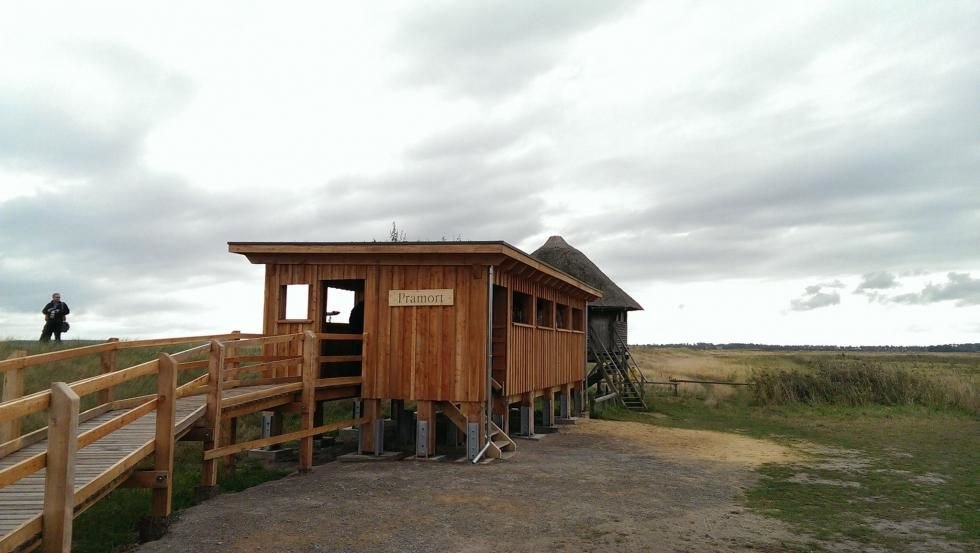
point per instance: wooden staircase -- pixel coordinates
(620, 374)
(501, 446)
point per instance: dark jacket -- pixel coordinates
(55, 311)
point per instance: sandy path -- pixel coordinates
(599, 486)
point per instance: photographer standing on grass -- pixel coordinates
(54, 317)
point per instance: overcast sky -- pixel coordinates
(778, 172)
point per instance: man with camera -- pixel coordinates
(54, 318)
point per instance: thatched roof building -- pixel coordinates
(559, 254)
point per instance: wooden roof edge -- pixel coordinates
(391, 248)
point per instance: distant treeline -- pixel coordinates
(768, 347)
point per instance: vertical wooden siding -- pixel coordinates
(416, 353)
(538, 357)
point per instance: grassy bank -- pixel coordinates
(892, 442)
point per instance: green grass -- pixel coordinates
(112, 522)
(876, 465)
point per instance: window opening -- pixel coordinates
(562, 318)
(545, 313)
(577, 320)
(521, 308)
(295, 302)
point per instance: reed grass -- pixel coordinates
(856, 382)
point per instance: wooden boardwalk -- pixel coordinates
(103, 464)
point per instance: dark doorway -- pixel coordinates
(341, 313)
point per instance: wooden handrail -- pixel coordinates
(52, 356)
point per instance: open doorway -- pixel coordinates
(342, 315)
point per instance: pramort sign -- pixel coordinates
(414, 298)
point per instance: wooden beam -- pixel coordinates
(59, 480)
(154, 479)
(311, 345)
(163, 448)
(212, 415)
(255, 444)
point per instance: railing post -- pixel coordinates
(59, 480)
(212, 417)
(311, 352)
(163, 453)
(109, 364)
(13, 388)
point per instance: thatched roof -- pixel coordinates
(557, 253)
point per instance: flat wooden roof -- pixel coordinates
(499, 254)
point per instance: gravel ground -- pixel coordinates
(592, 487)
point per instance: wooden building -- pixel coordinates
(608, 319)
(461, 329)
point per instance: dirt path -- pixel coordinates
(599, 486)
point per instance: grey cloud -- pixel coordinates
(488, 49)
(877, 281)
(40, 131)
(814, 300)
(959, 287)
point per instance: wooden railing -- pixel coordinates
(290, 381)
(280, 375)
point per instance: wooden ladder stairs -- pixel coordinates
(621, 375)
(501, 446)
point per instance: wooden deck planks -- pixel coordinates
(24, 500)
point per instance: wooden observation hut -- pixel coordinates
(608, 324)
(464, 330)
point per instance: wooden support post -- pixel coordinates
(310, 355)
(109, 364)
(13, 388)
(564, 402)
(212, 416)
(548, 409)
(527, 415)
(229, 436)
(579, 394)
(59, 480)
(163, 452)
(372, 412)
(425, 428)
